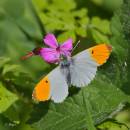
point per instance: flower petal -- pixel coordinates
(66, 47)
(50, 55)
(51, 41)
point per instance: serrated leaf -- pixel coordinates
(62, 16)
(3, 61)
(101, 24)
(99, 37)
(64, 36)
(6, 98)
(81, 31)
(10, 68)
(120, 45)
(72, 114)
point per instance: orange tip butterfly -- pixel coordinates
(78, 71)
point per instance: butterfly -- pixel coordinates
(78, 70)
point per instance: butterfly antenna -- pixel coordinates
(75, 46)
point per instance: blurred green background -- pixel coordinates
(24, 23)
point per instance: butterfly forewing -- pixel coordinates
(84, 67)
(100, 53)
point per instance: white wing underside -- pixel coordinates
(59, 87)
(83, 70)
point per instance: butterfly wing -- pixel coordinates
(84, 66)
(52, 86)
(100, 53)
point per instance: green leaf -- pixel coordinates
(99, 37)
(97, 2)
(101, 24)
(81, 31)
(24, 37)
(125, 22)
(88, 112)
(62, 16)
(9, 7)
(72, 114)
(6, 98)
(10, 68)
(3, 61)
(9, 113)
(111, 5)
(118, 42)
(62, 37)
(112, 126)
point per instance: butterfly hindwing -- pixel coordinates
(42, 90)
(85, 63)
(59, 85)
(52, 86)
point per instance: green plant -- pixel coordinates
(92, 107)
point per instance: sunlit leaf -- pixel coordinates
(99, 37)
(101, 25)
(6, 98)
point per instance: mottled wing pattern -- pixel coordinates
(84, 66)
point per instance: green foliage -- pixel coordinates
(22, 25)
(109, 5)
(6, 98)
(57, 16)
(72, 113)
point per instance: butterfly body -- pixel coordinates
(65, 68)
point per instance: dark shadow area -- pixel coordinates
(73, 91)
(94, 9)
(38, 112)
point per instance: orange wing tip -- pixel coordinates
(100, 53)
(42, 90)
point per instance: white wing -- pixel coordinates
(59, 87)
(83, 69)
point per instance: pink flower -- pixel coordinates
(55, 50)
